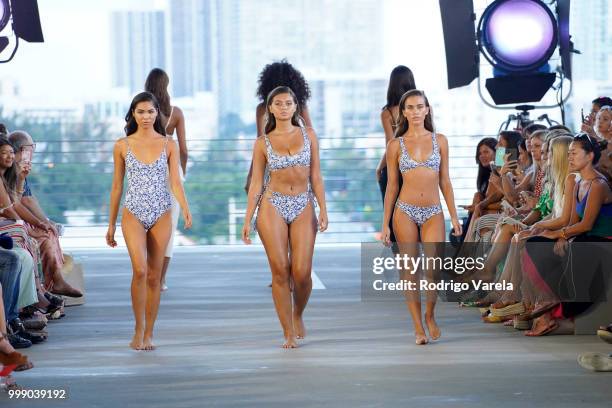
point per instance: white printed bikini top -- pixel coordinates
(279, 162)
(406, 163)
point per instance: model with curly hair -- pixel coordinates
(286, 219)
(280, 73)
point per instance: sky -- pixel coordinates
(73, 62)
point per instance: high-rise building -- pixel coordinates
(137, 39)
(192, 40)
(590, 23)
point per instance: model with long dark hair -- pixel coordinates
(280, 73)
(286, 219)
(151, 164)
(419, 156)
(172, 120)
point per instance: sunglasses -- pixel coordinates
(583, 136)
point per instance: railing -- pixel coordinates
(72, 180)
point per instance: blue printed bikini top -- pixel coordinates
(433, 162)
(280, 161)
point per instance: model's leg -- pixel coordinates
(432, 236)
(176, 209)
(274, 234)
(302, 234)
(157, 240)
(136, 241)
(407, 234)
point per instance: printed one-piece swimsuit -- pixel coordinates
(289, 207)
(419, 215)
(147, 196)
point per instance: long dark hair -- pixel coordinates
(296, 119)
(282, 73)
(482, 181)
(10, 175)
(591, 145)
(157, 83)
(402, 126)
(401, 81)
(130, 122)
(512, 137)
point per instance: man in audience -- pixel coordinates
(39, 226)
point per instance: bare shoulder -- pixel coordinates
(385, 114)
(442, 139)
(312, 135)
(393, 144)
(179, 113)
(121, 145)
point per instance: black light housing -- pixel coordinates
(26, 23)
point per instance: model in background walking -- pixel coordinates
(419, 156)
(286, 221)
(172, 120)
(151, 163)
(401, 81)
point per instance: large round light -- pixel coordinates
(517, 35)
(5, 13)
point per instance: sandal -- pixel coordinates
(510, 310)
(605, 333)
(542, 329)
(539, 311)
(595, 361)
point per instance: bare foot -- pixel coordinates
(298, 327)
(421, 339)
(137, 341)
(432, 327)
(290, 342)
(147, 343)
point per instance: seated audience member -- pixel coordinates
(38, 225)
(589, 120)
(591, 221)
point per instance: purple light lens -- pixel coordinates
(520, 32)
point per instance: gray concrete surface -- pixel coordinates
(219, 338)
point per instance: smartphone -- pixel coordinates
(582, 115)
(26, 156)
(513, 154)
(500, 153)
(494, 168)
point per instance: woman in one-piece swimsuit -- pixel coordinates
(149, 161)
(416, 208)
(286, 220)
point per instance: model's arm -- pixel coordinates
(392, 191)
(175, 182)
(182, 139)
(116, 190)
(316, 179)
(445, 184)
(385, 120)
(259, 123)
(255, 187)
(305, 115)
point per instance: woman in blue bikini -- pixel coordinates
(149, 161)
(286, 221)
(420, 157)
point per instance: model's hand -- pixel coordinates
(110, 237)
(386, 235)
(322, 221)
(457, 227)
(246, 231)
(187, 218)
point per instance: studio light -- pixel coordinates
(517, 37)
(25, 23)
